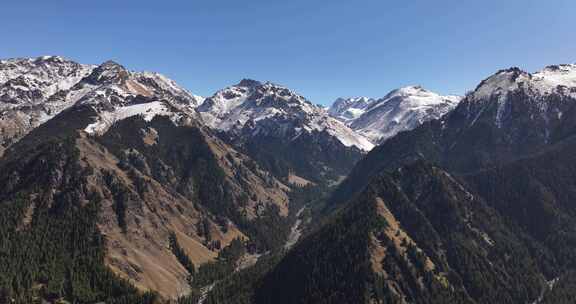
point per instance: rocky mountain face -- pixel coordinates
(272, 124)
(124, 180)
(26, 88)
(400, 110)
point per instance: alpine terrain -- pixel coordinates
(123, 187)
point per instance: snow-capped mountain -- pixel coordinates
(250, 103)
(34, 80)
(401, 110)
(34, 90)
(117, 93)
(28, 87)
(284, 132)
(346, 109)
(544, 95)
(559, 79)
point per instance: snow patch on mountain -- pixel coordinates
(147, 110)
(346, 109)
(116, 94)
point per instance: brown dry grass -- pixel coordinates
(142, 254)
(396, 234)
(298, 181)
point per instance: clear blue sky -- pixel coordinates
(322, 49)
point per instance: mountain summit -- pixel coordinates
(251, 102)
(345, 109)
(284, 131)
(400, 110)
(34, 90)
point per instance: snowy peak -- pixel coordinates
(400, 110)
(513, 96)
(555, 79)
(107, 73)
(253, 104)
(345, 109)
(34, 80)
(111, 78)
(112, 82)
(409, 91)
(116, 93)
(44, 67)
(34, 90)
(503, 81)
(233, 106)
(415, 96)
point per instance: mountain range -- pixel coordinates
(124, 187)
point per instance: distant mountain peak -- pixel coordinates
(408, 90)
(551, 79)
(108, 72)
(400, 110)
(345, 109)
(251, 103)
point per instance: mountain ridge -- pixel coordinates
(275, 125)
(401, 109)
